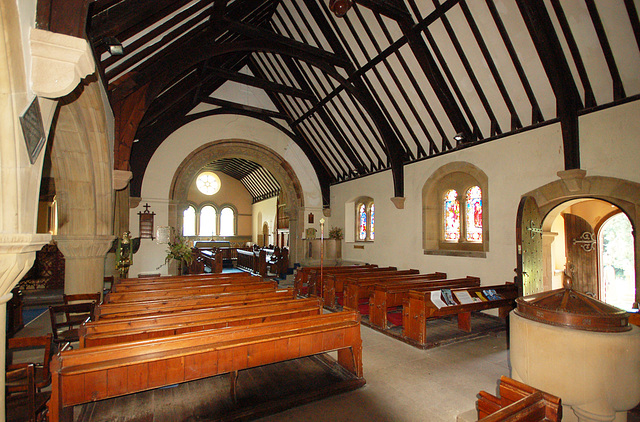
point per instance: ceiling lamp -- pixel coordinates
(115, 47)
(340, 7)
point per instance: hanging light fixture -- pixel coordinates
(340, 7)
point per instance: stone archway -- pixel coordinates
(575, 184)
(293, 198)
(81, 164)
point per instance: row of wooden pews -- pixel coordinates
(392, 298)
(151, 333)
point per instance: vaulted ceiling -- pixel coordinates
(391, 82)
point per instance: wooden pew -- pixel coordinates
(334, 282)
(317, 278)
(177, 281)
(253, 261)
(96, 373)
(212, 258)
(180, 284)
(122, 331)
(195, 314)
(301, 278)
(128, 283)
(387, 296)
(518, 402)
(127, 310)
(357, 290)
(418, 308)
(186, 291)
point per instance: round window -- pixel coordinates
(208, 183)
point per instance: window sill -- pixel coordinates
(450, 252)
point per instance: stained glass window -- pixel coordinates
(362, 227)
(372, 231)
(208, 221)
(474, 214)
(451, 216)
(189, 222)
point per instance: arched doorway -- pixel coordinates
(572, 210)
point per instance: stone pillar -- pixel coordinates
(17, 253)
(84, 262)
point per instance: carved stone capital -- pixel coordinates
(326, 212)
(398, 201)
(84, 246)
(17, 253)
(121, 179)
(58, 63)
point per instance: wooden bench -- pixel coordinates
(180, 284)
(301, 279)
(518, 402)
(96, 373)
(133, 282)
(186, 291)
(357, 290)
(194, 315)
(253, 261)
(121, 331)
(334, 283)
(211, 258)
(127, 310)
(318, 281)
(419, 308)
(385, 297)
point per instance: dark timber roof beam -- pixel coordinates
(393, 9)
(263, 84)
(236, 106)
(568, 102)
(260, 34)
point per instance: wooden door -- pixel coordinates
(581, 252)
(529, 272)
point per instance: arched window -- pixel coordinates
(451, 218)
(189, 221)
(207, 221)
(227, 222)
(473, 227)
(616, 258)
(455, 214)
(365, 210)
(372, 225)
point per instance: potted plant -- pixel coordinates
(181, 252)
(336, 233)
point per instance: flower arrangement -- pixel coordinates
(336, 233)
(179, 250)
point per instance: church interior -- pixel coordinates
(350, 210)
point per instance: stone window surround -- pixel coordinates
(459, 176)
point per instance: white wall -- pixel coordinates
(609, 143)
(172, 152)
(266, 210)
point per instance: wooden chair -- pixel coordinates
(66, 331)
(28, 405)
(42, 374)
(80, 298)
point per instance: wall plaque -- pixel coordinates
(33, 129)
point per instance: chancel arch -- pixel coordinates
(291, 190)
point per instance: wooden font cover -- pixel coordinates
(567, 308)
